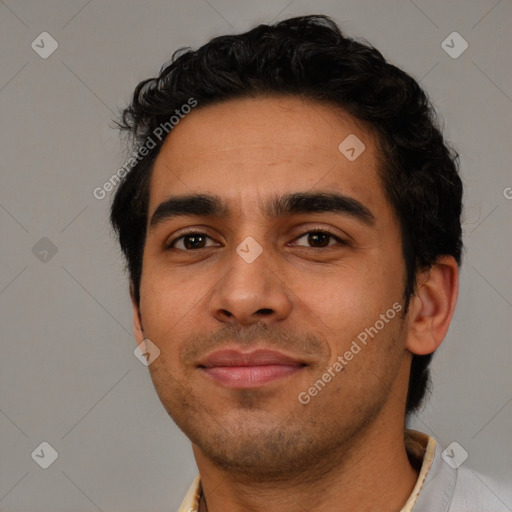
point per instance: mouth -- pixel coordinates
(246, 370)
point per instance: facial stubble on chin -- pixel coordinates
(288, 445)
(253, 443)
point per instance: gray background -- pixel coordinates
(68, 374)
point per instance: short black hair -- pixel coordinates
(310, 58)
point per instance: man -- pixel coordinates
(292, 231)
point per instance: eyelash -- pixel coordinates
(191, 233)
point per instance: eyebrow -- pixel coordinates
(205, 205)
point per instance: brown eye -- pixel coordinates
(190, 242)
(320, 239)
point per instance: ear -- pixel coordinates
(432, 306)
(138, 328)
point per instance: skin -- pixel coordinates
(260, 449)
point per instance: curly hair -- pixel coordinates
(309, 57)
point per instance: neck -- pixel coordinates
(373, 473)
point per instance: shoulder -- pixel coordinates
(476, 492)
(448, 487)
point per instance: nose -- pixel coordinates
(251, 292)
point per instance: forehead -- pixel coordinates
(245, 149)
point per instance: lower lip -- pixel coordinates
(250, 376)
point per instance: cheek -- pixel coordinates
(356, 304)
(167, 308)
(167, 294)
(347, 295)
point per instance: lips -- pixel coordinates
(237, 369)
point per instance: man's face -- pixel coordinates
(210, 306)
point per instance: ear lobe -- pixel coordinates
(432, 306)
(138, 328)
